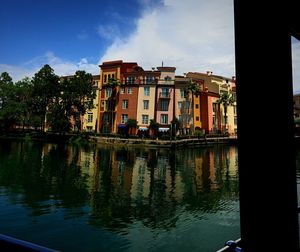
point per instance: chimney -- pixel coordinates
(209, 72)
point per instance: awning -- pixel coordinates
(163, 129)
(143, 128)
(122, 126)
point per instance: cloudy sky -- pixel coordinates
(192, 35)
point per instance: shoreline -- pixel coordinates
(164, 143)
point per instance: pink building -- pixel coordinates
(165, 95)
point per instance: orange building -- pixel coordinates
(109, 96)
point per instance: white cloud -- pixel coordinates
(296, 65)
(109, 32)
(191, 35)
(61, 67)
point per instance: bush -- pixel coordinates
(199, 133)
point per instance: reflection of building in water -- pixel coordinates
(45, 151)
(72, 155)
(121, 172)
(140, 180)
(212, 169)
(232, 160)
(86, 160)
(199, 172)
(156, 181)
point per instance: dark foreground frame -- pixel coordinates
(267, 167)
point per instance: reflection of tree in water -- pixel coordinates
(162, 206)
(152, 185)
(42, 173)
(110, 201)
(122, 185)
(116, 204)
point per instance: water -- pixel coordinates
(104, 199)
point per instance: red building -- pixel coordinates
(109, 109)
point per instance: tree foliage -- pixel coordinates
(46, 91)
(226, 99)
(194, 89)
(78, 95)
(45, 98)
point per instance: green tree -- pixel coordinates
(154, 127)
(58, 119)
(82, 94)
(175, 126)
(131, 125)
(226, 99)
(5, 85)
(46, 91)
(194, 89)
(23, 95)
(7, 102)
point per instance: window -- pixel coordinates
(124, 118)
(182, 93)
(129, 90)
(105, 118)
(105, 105)
(165, 92)
(146, 91)
(122, 90)
(125, 104)
(164, 105)
(197, 106)
(180, 118)
(164, 119)
(89, 128)
(149, 79)
(145, 119)
(130, 80)
(108, 92)
(214, 107)
(109, 77)
(90, 117)
(233, 96)
(146, 104)
(187, 104)
(180, 105)
(113, 76)
(197, 118)
(105, 78)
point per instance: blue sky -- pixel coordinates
(75, 35)
(67, 28)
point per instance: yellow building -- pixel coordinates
(89, 120)
(183, 103)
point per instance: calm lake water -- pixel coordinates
(107, 199)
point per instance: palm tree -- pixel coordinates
(112, 100)
(130, 125)
(154, 127)
(226, 99)
(195, 89)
